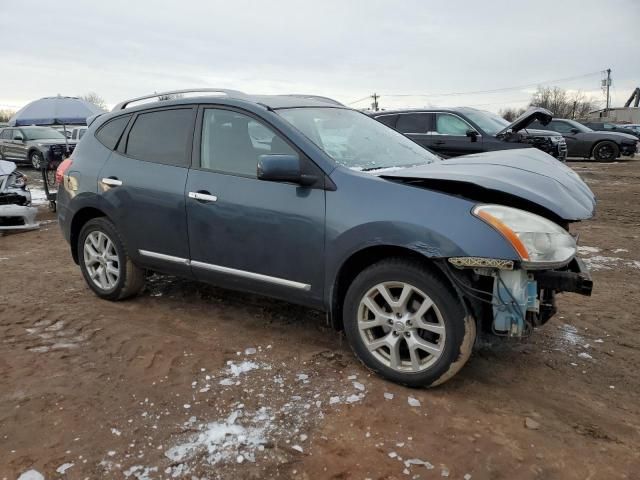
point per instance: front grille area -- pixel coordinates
(562, 148)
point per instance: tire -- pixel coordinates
(36, 160)
(102, 236)
(450, 331)
(605, 151)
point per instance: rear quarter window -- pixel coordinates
(109, 134)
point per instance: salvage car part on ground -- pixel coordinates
(300, 198)
(16, 212)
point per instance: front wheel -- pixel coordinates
(104, 262)
(406, 324)
(36, 160)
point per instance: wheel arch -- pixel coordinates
(80, 218)
(365, 257)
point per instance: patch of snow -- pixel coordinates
(620, 250)
(585, 250)
(570, 335)
(388, 396)
(334, 400)
(297, 448)
(600, 262)
(31, 475)
(413, 402)
(354, 398)
(240, 368)
(116, 432)
(64, 467)
(227, 439)
(585, 355)
(250, 351)
(358, 386)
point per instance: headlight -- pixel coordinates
(538, 241)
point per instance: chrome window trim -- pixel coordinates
(228, 270)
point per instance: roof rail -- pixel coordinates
(315, 97)
(229, 93)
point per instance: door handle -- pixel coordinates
(203, 196)
(111, 181)
(439, 142)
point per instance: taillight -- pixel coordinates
(62, 169)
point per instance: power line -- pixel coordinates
(497, 90)
(360, 100)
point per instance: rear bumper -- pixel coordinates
(576, 279)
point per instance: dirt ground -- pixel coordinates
(190, 381)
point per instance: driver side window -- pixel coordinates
(447, 124)
(560, 127)
(233, 141)
(17, 135)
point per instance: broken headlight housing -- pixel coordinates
(540, 242)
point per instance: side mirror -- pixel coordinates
(473, 135)
(283, 168)
(18, 138)
(575, 130)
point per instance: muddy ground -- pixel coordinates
(190, 381)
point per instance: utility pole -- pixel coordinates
(606, 111)
(374, 105)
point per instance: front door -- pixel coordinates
(245, 233)
(144, 183)
(449, 135)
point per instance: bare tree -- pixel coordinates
(93, 97)
(562, 103)
(5, 115)
(510, 114)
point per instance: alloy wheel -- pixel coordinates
(101, 260)
(401, 326)
(605, 152)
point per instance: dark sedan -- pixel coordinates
(586, 143)
(34, 145)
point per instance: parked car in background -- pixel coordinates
(303, 199)
(451, 132)
(633, 126)
(611, 127)
(584, 142)
(34, 145)
(77, 133)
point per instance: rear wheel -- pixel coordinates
(104, 262)
(605, 151)
(405, 324)
(36, 160)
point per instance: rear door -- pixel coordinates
(144, 183)
(416, 126)
(5, 143)
(245, 233)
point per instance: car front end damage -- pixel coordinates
(16, 212)
(511, 297)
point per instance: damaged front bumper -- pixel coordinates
(16, 212)
(511, 301)
(17, 217)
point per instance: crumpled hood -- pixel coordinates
(543, 115)
(526, 173)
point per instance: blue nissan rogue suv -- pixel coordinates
(300, 198)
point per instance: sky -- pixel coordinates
(412, 53)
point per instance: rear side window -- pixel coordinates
(6, 134)
(412, 123)
(110, 132)
(162, 137)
